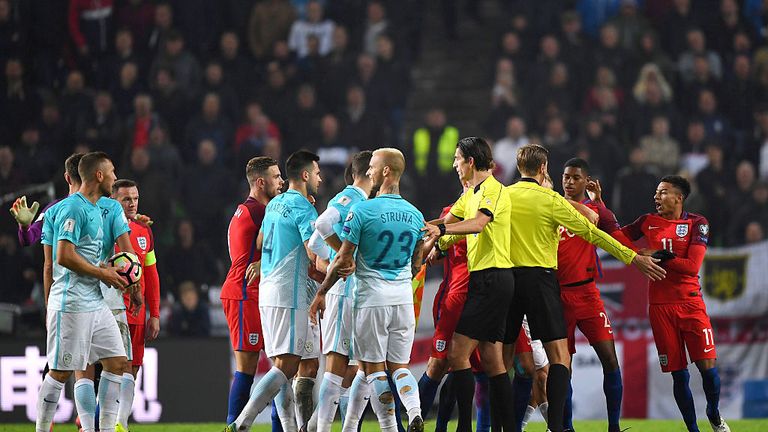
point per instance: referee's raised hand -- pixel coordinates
(649, 267)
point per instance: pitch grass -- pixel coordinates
(581, 426)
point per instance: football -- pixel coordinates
(128, 266)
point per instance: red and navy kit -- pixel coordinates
(143, 243)
(577, 268)
(239, 299)
(677, 312)
(450, 297)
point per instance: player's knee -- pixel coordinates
(60, 376)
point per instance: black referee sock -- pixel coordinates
(557, 389)
(464, 387)
(500, 387)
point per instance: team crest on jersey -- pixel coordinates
(440, 345)
(663, 359)
(309, 347)
(681, 230)
(142, 241)
(725, 277)
(253, 338)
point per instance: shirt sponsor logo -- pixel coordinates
(681, 230)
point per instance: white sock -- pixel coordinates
(312, 423)
(408, 389)
(383, 401)
(543, 408)
(109, 392)
(305, 404)
(359, 394)
(527, 417)
(261, 397)
(85, 401)
(127, 386)
(343, 403)
(47, 401)
(330, 391)
(284, 402)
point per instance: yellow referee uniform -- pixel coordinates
(491, 282)
(535, 216)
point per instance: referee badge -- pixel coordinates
(440, 345)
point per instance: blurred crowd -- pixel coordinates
(182, 93)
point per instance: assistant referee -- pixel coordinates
(535, 216)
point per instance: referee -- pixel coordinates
(535, 215)
(482, 214)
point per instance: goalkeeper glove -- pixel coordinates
(663, 255)
(24, 215)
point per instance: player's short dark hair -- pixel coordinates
(123, 183)
(680, 183)
(530, 157)
(298, 162)
(90, 163)
(360, 163)
(258, 167)
(479, 150)
(70, 167)
(578, 163)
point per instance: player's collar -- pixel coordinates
(529, 180)
(360, 191)
(390, 196)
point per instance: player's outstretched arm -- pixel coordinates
(585, 211)
(68, 257)
(469, 226)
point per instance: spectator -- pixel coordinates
(138, 17)
(52, 131)
(431, 163)
(19, 103)
(714, 181)
(90, 26)
(576, 49)
(201, 23)
(214, 83)
(164, 155)
(680, 20)
(610, 53)
(185, 67)
(604, 79)
(649, 51)
(189, 318)
(662, 151)
(12, 34)
(652, 96)
(697, 46)
(377, 92)
(362, 127)
(376, 24)
(74, 98)
(257, 136)
(143, 120)
(754, 209)
(715, 124)
(603, 152)
(549, 55)
(336, 71)
(634, 188)
(313, 25)
(702, 80)
(630, 24)
(124, 53)
(237, 69)
(303, 124)
(275, 97)
(209, 124)
(739, 95)
(163, 26)
(158, 187)
(334, 153)
(170, 103)
(505, 150)
(745, 181)
(188, 259)
(19, 275)
(511, 48)
(505, 99)
(11, 175)
(694, 158)
(754, 233)
(729, 22)
(33, 158)
(397, 80)
(270, 21)
(559, 143)
(127, 88)
(100, 127)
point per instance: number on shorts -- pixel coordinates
(606, 323)
(709, 337)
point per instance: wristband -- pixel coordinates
(441, 227)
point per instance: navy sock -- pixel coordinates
(523, 387)
(568, 410)
(613, 389)
(445, 405)
(711, 381)
(276, 425)
(427, 392)
(684, 399)
(398, 404)
(482, 403)
(238, 395)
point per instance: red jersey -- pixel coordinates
(577, 260)
(455, 272)
(241, 240)
(143, 243)
(686, 238)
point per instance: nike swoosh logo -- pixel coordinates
(650, 227)
(46, 400)
(335, 402)
(706, 350)
(367, 398)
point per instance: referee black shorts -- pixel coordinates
(488, 303)
(537, 295)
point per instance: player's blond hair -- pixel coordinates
(393, 158)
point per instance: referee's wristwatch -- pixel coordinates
(441, 227)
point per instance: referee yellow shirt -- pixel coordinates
(490, 247)
(536, 213)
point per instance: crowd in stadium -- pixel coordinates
(182, 94)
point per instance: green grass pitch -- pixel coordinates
(581, 426)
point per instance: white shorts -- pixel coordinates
(125, 333)
(337, 324)
(288, 331)
(383, 333)
(539, 355)
(76, 340)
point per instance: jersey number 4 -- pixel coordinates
(388, 237)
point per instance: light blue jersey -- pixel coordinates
(78, 221)
(343, 202)
(115, 225)
(288, 223)
(385, 230)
